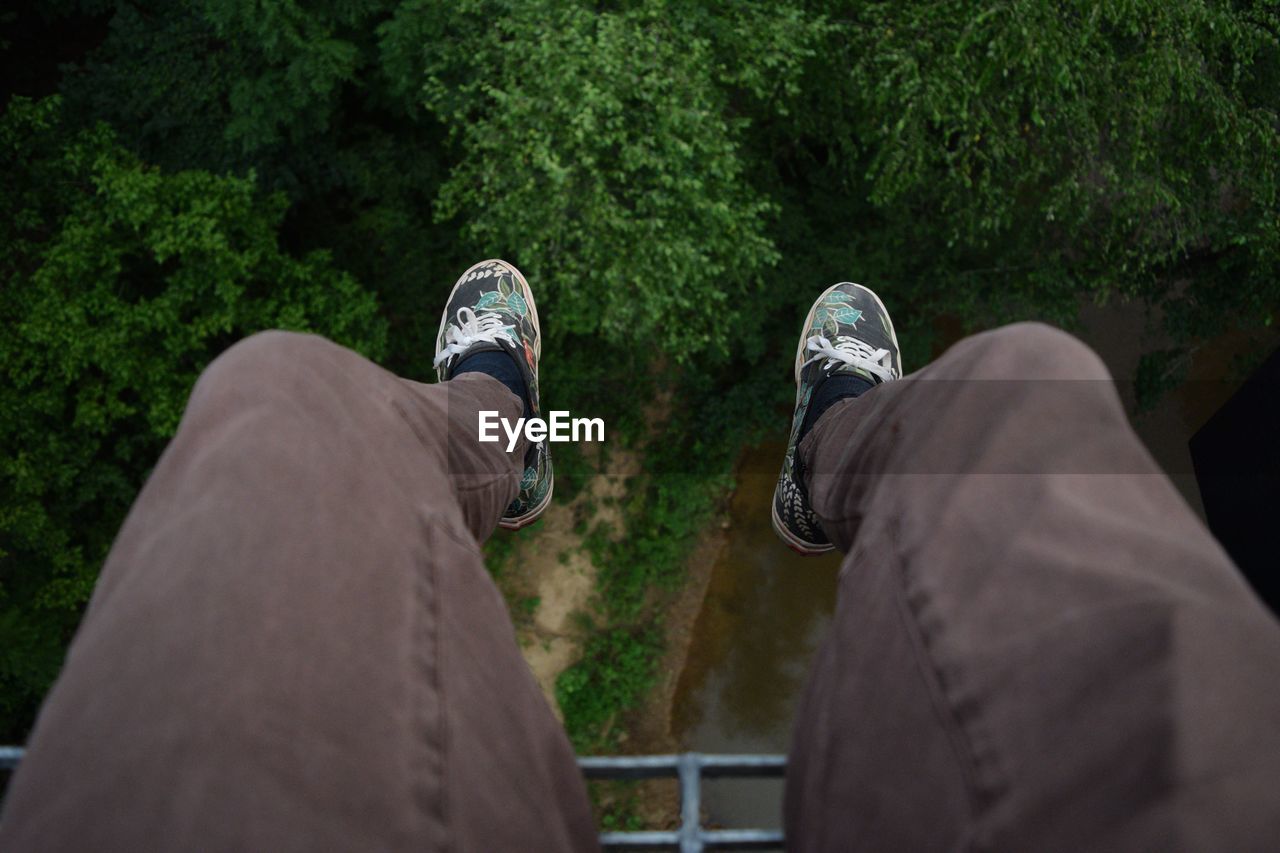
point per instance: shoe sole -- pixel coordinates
(534, 514)
(795, 543)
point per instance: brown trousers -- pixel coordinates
(294, 644)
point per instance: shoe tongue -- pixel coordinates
(475, 349)
(839, 370)
(850, 370)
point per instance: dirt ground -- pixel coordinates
(553, 569)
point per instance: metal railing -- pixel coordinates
(689, 767)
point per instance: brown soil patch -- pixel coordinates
(553, 567)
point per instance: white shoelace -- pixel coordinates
(853, 352)
(471, 329)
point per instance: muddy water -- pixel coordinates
(765, 612)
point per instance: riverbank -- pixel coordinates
(651, 731)
(549, 580)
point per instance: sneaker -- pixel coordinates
(491, 308)
(848, 331)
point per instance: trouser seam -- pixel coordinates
(910, 606)
(431, 692)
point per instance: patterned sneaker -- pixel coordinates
(491, 308)
(848, 331)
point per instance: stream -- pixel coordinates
(765, 612)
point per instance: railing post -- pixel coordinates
(690, 803)
(10, 756)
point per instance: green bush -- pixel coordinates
(616, 669)
(121, 283)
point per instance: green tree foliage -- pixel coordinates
(121, 283)
(699, 165)
(1002, 161)
(599, 147)
(617, 666)
(242, 87)
(987, 161)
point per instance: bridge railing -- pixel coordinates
(690, 768)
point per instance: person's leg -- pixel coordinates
(294, 644)
(1037, 646)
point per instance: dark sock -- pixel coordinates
(830, 391)
(501, 367)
